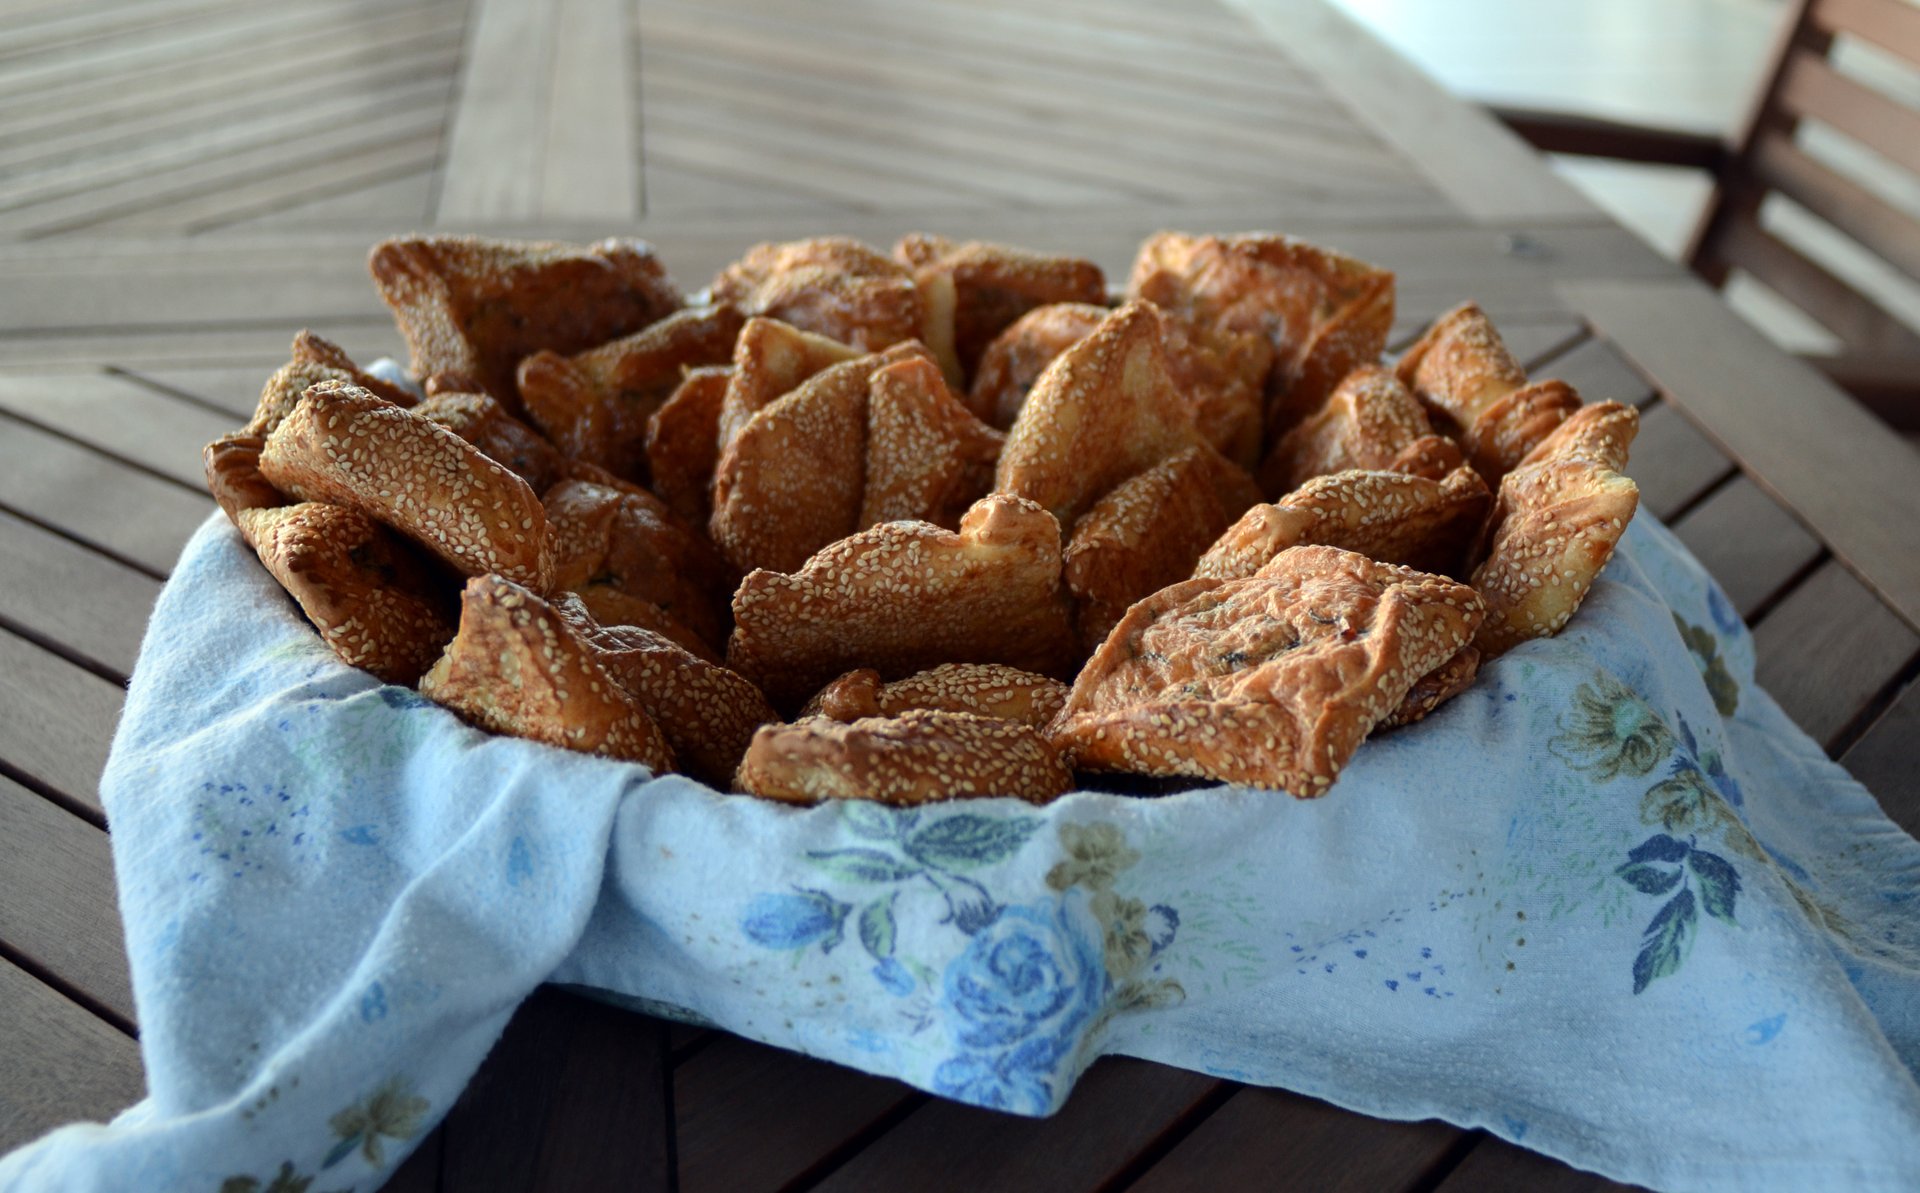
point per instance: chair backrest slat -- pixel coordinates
(1848, 206)
(1813, 89)
(1893, 25)
(1833, 303)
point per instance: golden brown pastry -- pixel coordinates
(683, 444)
(1324, 313)
(1372, 422)
(377, 604)
(482, 421)
(343, 445)
(1148, 533)
(993, 285)
(627, 538)
(1015, 359)
(792, 480)
(984, 689)
(771, 360)
(518, 667)
(706, 712)
(595, 404)
(1387, 516)
(1271, 681)
(314, 360)
(1557, 520)
(927, 457)
(1435, 688)
(1104, 410)
(1461, 368)
(612, 608)
(918, 757)
(475, 306)
(904, 596)
(831, 285)
(233, 474)
(1222, 374)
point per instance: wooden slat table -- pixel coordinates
(174, 202)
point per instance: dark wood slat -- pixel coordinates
(97, 500)
(1792, 432)
(1883, 759)
(1536, 345)
(1672, 462)
(1828, 649)
(1812, 88)
(1263, 1134)
(1118, 1111)
(797, 1112)
(1597, 370)
(1888, 231)
(1890, 24)
(420, 1171)
(58, 1064)
(1496, 1166)
(1804, 282)
(1593, 136)
(573, 1097)
(157, 431)
(1752, 547)
(59, 719)
(88, 605)
(57, 903)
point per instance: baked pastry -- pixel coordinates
(1105, 409)
(595, 404)
(831, 285)
(377, 604)
(918, 757)
(1555, 525)
(518, 667)
(628, 539)
(612, 608)
(904, 596)
(1461, 368)
(1011, 364)
(1372, 422)
(1148, 533)
(683, 444)
(482, 421)
(1271, 681)
(993, 285)
(478, 307)
(1435, 688)
(984, 689)
(927, 457)
(1222, 374)
(233, 474)
(770, 360)
(314, 359)
(793, 479)
(1324, 313)
(343, 445)
(1388, 516)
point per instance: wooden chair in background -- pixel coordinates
(1879, 359)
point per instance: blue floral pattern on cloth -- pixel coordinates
(1609, 902)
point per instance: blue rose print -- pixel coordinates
(796, 921)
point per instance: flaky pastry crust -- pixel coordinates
(984, 689)
(832, 285)
(770, 360)
(1371, 422)
(627, 538)
(927, 457)
(482, 421)
(683, 444)
(1435, 688)
(994, 285)
(1388, 516)
(918, 757)
(1011, 364)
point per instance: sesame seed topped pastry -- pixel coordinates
(1555, 525)
(343, 445)
(376, 603)
(993, 285)
(1271, 681)
(831, 285)
(793, 479)
(1105, 409)
(683, 444)
(595, 404)
(984, 689)
(518, 667)
(627, 538)
(1388, 516)
(475, 306)
(706, 712)
(917, 757)
(1372, 422)
(1222, 374)
(927, 457)
(770, 360)
(904, 596)
(1015, 359)
(1435, 688)
(1148, 533)
(611, 608)
(482, 421)
(232, 463)
(314, 360)
(1324, 313)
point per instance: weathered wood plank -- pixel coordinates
(1828, 649)
(1792, 432)
(132, 515)
(1751, 546)
(156, 431)
(1260, 1134)
(1672, 462)
(493, 160)
(591, 165)
(58, 1064)
(1883, 759)
(573, 1097)
(1597, 371)
(1117, 1112)
(57, 903)
(799, 1112)
(1496, 1166)
(59, 719)
(91, 606)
